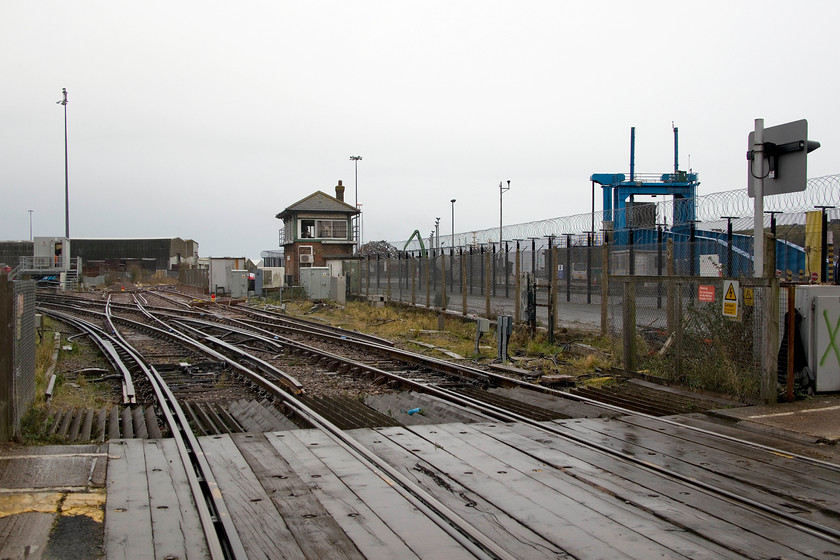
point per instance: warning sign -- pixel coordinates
(730, 298)
(706, 293)
(749, 297)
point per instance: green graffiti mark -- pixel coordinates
(832, 333)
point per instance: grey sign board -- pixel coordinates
(785, 157)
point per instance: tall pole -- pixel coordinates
(758, 200)
(453, 221)
(30, 224)
(355, 160)
(66, 175)
(502, 190)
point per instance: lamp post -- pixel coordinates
(453, 221)
(30, 224)
(502, 190)
(66, 182)
(355, 160)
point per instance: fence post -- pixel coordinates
(463, 283)
(791, 325)
(388, 263)
(367, 276)
(659, 265)
(413, 281)
(629, 324)
(486, 270)
(555, 311)
(605, 284)
(493, 265)
(517, 305)
(471, 270)
(443, 280)
(432, 262)
(552, 308)
(428, 283)
(483, 269)
(669, 306)
(568, 272)
(589, 266)
(770, 339)
(507, 270)
(678, 326)
(452, 270)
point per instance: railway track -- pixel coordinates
(257, 354)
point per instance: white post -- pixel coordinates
(757, 172)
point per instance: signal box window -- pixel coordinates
(307, 229)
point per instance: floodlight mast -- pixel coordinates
(66, 175)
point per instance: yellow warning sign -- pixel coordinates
(730, 298)
(730, 294)
(749, 298)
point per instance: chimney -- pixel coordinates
(339, 191)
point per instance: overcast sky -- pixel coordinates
(203, 120)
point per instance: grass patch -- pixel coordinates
(73, 390)
(402, 325)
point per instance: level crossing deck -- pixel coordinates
(300, 494)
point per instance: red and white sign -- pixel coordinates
(706, 293)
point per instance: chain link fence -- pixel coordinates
(17, 353)
(680, 330)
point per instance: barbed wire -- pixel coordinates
(819, 191)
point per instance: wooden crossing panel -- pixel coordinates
(128, 519)
(263, 533)
(302, 495)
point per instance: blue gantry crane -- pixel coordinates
(636, 222)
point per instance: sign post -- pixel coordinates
(778, 163)
(757, 182)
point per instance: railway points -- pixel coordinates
(487, 465)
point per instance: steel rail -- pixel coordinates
(459, 369)
(105, 342)
(458, 528)
(288, 380)
(504, 381)
(222, 539)
(200, 497)
(799, 523)
(816, 529)
(297, 322)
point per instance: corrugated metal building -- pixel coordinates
(12, 251)
(165, 253)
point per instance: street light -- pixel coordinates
(502, 190)
(30, 224)
(66, 182)
(355, 160)
(453, 221)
